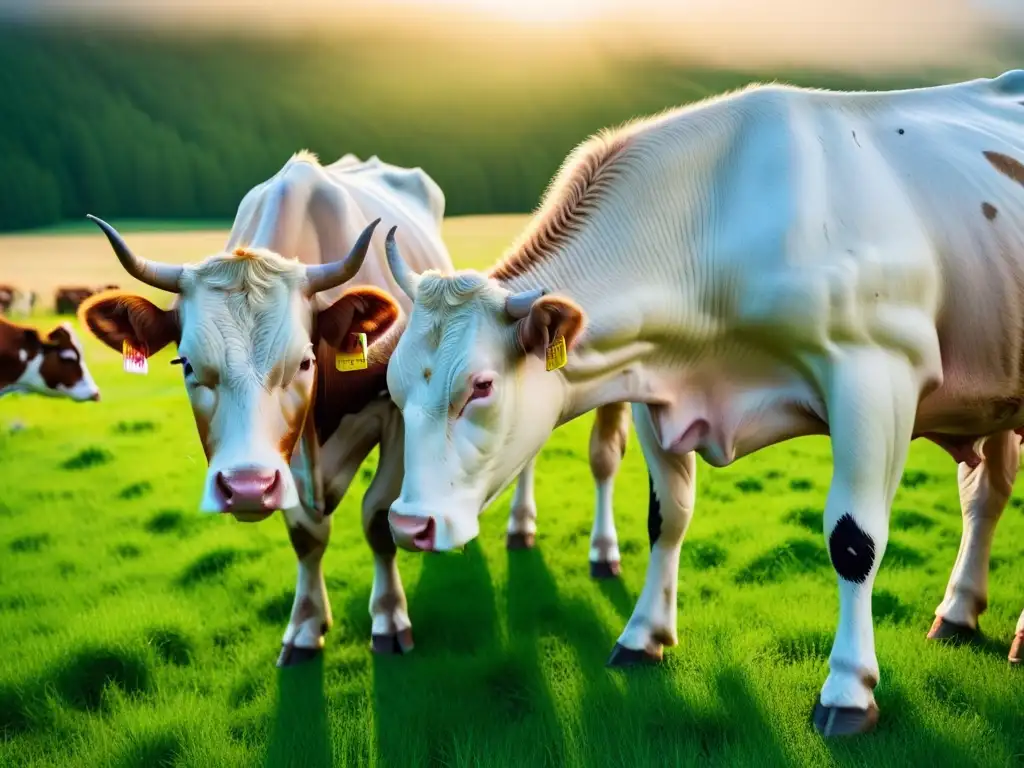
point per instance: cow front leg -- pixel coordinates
(311, 612)
(391, 630)
(608, 439)
(871, 400)
(673, 487)
(522, 518)
(984, 493)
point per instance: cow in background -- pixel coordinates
(258, 336)
(67, 299)
(53, 365)
(8, 294)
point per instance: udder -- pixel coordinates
(732, 420)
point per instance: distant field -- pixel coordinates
(78, 254)
(136, 632)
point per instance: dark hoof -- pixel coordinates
(609, 570)
(627, 657)
(520, 541)
(1017, 650)
(293, 654)
(956, 634)
(397, 644)
(844, 721)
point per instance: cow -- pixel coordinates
(258, 336)
(67, 299)
(8, 293)
(767, 264)
(53, 365)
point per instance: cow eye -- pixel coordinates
(481, 389)
(306, 364)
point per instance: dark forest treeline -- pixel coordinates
(132, 125)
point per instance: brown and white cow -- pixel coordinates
(53, 365)
(8, 294)
(257, 337)
(770, 264)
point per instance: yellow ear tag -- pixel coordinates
(352, 361)
(555, 354)
(134, 358)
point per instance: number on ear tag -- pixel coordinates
(352, 361)
(555, 354)
(135, 358)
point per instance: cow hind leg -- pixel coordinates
(311, 611)
(984, 493)
(872, 401)
(608, 439)
(522, 518)
(673, 487)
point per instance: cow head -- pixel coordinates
(477, 400)
(246, 325)
(52, 365)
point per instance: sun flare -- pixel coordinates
(534, 12)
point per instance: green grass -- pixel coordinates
(136, 632)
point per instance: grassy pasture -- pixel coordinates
(136, 632)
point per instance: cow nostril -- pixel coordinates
(425, 538)
(224, 487)
(274, 482)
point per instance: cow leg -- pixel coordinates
(380, 422)
(1017, 649)
(673, 487)
(984, 492)
(522, 518)
(311, 611)
(391, 630)
(872, 401)
(608, 439)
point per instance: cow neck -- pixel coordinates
(608, 362)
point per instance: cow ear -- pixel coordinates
(549, 318)
(358, 310)
(113, 316)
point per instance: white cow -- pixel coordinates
(257, 335)
(773, 263)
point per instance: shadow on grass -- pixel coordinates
(616, 593)
(443, 703)
(904, 736)
(633, 716)
(300, 735)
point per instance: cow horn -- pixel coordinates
(518, 304)
(321, 277)
(407, 280)
(154, 273)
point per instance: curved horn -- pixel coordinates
(407, 280)
(321, 277)
(154, 273)
(518, 304)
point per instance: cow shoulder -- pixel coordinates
(339, 394)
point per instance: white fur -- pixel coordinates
(764, 265)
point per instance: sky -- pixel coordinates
(850, 34)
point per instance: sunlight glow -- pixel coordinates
(535, 12)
